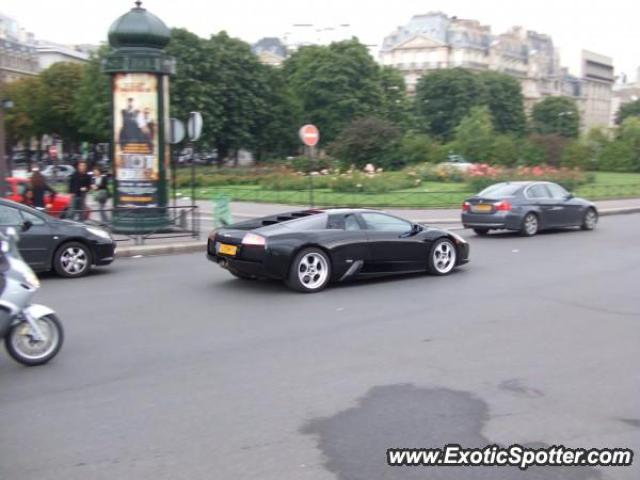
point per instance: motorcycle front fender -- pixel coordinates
(38, 311)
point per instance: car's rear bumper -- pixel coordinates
(245, 267)
(497, 220)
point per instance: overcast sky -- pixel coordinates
(610, 27)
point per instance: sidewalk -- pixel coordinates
(446, 217)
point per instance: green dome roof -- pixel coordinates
(139, 28)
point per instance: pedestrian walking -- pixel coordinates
(101, 188)
(39, 188)
(79, 186)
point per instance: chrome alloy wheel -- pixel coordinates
(313, 270)
(531, 224)
(444, 257)
(74, 260)
(590, 219)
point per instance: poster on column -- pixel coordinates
(135, 103)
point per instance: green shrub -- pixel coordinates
(377, 183)
(428, 172)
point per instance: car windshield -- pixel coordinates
(500, 190)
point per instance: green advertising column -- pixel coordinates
(139, 70)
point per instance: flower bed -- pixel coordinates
(480, 176)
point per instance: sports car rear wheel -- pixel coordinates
(310, 271)
(589, 220)
(442, 257)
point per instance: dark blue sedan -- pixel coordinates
(527, 207)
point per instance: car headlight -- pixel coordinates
(32, 279)
(98, 232)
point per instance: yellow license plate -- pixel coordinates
(482, 208)
(225, 249)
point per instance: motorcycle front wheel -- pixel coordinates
(24, 347)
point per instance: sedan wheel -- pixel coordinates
(529, 225)
(72, 259)
(590, 220)
(310, 271)
(442, 258)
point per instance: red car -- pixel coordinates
(58, 206)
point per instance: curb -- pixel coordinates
(194, 247)
(166, 249)
(618, 211)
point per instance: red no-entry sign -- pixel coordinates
(310, 135)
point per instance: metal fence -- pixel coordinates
(439, 199)
(181, 222)
(409, 199)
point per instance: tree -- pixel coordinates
(419, 148)
(556, 115)
(241, 87)
(503, 96)
(275, 133)
(474, 136)
(553, 146)
(55, 104)
(335, 84)
(197, 85)
(626, 145)
(366, 140)
(93, 100)
(20, 120)
(395, 102)
(631, 109)
(444, 97)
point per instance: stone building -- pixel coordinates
(50, 53)
(624, 92)
(596, 90)
(434, 41)
(18, 57)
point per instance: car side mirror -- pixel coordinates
(26, 225)
(569, 196)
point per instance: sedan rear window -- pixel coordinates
(500, 190)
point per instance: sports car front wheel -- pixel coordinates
(442, 257)
(310, 271)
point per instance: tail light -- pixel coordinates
(254, 239)
(466, 206)
(503, 206)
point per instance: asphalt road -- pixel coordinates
(172, 369)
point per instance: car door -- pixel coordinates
(10, 217)
(37, 241)
(348, 243)
(393, 244)
(539, 196)
(569, 212)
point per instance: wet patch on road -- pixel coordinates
(355, 440)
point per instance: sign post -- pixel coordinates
(310, 136)
(194, 131)
(176, 135)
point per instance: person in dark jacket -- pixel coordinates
(39, 188)
(79, 185)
